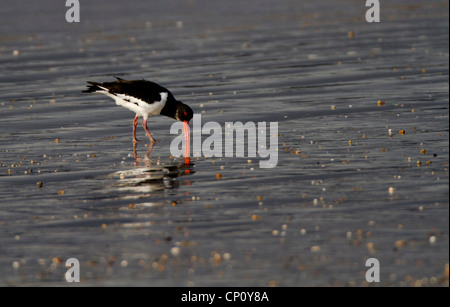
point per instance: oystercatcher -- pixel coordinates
(145, 98)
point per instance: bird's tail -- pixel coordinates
(98, 87)
(93, 87)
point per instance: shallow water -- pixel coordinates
(347, 186)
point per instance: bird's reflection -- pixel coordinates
(147, 154)
(187, 160)
(150, 175)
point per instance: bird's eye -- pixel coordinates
(185, 113)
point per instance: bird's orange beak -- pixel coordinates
(187, 143)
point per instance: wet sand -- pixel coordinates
(362, 113)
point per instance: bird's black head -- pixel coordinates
(184, 113)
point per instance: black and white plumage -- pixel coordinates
(145, 98)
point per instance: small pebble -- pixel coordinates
(400, 243)
(391, 190)
(255, 217)
(175, 251)
(315, 248)
(432, 239)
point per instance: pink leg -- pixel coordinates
(144, 124)
(135, 140)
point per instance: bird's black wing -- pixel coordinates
(144, 90)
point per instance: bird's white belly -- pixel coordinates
(139, 106)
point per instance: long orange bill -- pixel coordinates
(187, 142)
